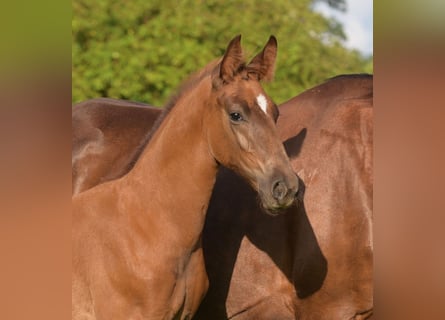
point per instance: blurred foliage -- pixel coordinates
(142, 50)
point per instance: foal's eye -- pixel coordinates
(236, 116)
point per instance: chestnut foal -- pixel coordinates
(136, 241)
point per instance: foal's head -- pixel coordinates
(241, 131)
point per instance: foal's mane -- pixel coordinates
(186, 86)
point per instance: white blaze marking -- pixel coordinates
(262, 102)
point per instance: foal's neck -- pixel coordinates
(176, 172)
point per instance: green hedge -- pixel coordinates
(141, 50)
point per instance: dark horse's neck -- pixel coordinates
(176, 172)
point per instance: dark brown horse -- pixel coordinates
(316, 261)
(136, 241)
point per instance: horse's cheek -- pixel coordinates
(242, 139)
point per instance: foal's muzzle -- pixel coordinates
(281, 194)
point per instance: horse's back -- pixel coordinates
(106, 136)
(320, 105)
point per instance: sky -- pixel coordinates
(357, 23)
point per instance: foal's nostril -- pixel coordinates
(279, 190)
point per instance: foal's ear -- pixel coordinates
(232, 60)
(263, 65)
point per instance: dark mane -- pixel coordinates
(188, 84)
